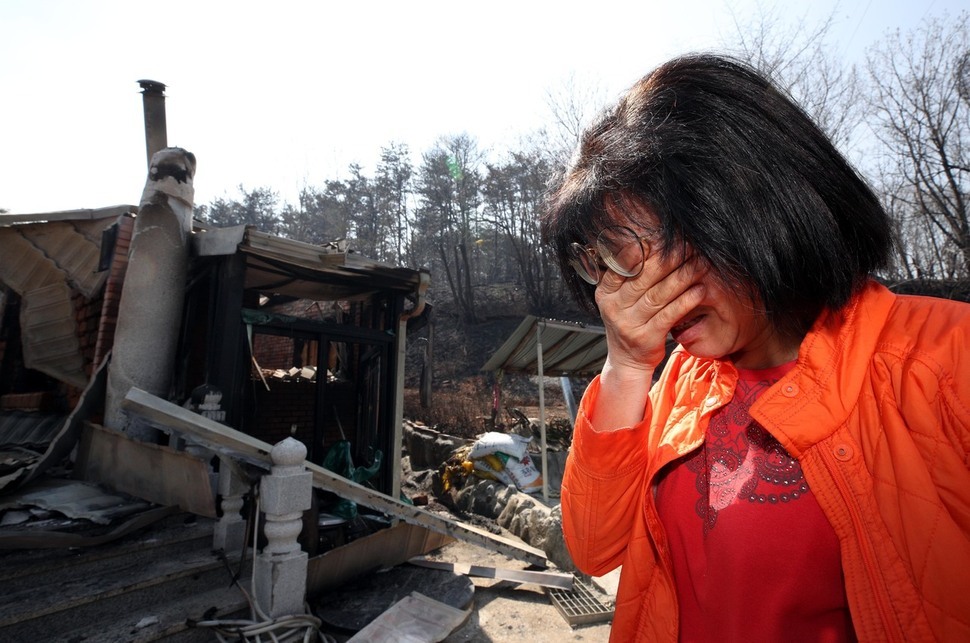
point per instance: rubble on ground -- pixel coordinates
(523, 514)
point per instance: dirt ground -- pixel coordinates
(509, 612)
(506, 612)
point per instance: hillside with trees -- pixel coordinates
(471, 215)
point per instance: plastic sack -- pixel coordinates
(491, 468)
(338, 460)
(495, 442)
(524, 474)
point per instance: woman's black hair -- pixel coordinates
(734, 169)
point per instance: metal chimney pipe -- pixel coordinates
(153, 100)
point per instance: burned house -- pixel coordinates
(299, 340)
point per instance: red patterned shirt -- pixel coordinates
(754, 558)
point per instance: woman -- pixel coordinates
(799, 470)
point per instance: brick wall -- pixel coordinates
(290, 402)
(111, 296)
(285, 404)
(276, 351)
(273, 351)
(87, 314)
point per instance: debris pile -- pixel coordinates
(293, 374)
(494, 456)
(435, 467)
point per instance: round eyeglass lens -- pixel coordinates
(622, 250)
(583, 261)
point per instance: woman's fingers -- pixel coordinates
(661, 294)
(651, 290)
(640, 311)
(678, 308)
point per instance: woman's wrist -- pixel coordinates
(622, 398)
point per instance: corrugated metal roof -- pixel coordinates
(568, 348)
(84, 214)
(28, 430)
(45, 258)
(305, 270)
(23, 267)
(76, 499)
(74, 248)
(48, 334)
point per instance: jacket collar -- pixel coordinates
(815, 397)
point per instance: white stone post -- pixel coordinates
(230, 532)
(281, 568)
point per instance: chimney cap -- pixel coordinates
(152, 86)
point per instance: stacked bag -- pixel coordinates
(505, 458)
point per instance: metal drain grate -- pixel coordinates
(579, 606)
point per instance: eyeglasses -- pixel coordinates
(617, 248)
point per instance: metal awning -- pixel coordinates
(548, 347)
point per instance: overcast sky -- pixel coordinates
(287, 94)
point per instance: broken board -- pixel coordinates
(150, 471)
(416, 619)
(545, 579)
(382, 549)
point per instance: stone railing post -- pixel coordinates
(229, 533)
(281, 568)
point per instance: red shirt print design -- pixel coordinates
(742, 461)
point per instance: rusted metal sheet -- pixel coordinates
(380, 550)
(29, 430)
(150, 471)
(46, 540)
(75, 499)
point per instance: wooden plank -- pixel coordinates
(149, 471)
(546, 579)
(171, 417)
(127, 575)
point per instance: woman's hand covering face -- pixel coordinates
(638, 312)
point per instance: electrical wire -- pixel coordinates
(261, 627)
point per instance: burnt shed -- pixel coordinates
(302, 341)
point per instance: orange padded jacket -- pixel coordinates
(876, 410)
